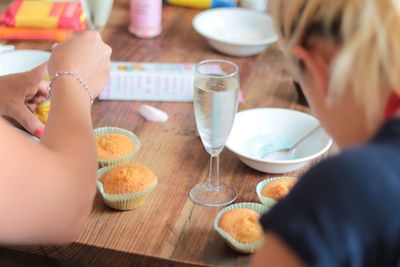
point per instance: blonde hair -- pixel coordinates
(367, 32)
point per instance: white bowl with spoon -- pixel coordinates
(259, 135)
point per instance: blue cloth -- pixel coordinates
(345, 211)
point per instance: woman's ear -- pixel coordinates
(316, 65)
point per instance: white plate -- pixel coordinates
(28, 135)
(21, 60)
(255, 128)
(236, 31)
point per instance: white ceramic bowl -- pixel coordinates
(257, 5)
(21, 60)
(255, 128)
(236, 31)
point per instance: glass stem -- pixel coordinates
(213, 175)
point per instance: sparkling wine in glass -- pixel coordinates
(215, 101)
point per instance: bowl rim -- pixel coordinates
(20, 51)
(282, 162)
(26, 52)
(199, 30)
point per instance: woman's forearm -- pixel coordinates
(59, 180)
(69, 128)
(47, 189)
(275, 253)
(69, 136)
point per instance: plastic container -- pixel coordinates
(203, 4)
(145, 18)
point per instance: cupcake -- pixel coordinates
(270, 191)
(126, 186)
(239, 226)
(115, 146)
(242, 225)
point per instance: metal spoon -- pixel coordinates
(288, 149)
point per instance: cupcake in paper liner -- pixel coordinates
(270, 191)
(126, 186)
(239, 226)
(115, 146)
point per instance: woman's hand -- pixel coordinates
(19, 95)
(88, 56)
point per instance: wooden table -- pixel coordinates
(168, 229)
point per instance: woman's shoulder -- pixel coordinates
(373, 161)
(337, 210)
(359, 177)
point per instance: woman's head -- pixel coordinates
(347, 58)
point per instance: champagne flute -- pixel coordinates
(215, 101)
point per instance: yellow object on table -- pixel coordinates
(42, 111)
(44, 14)
(56, 35)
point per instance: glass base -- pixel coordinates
(206, 195)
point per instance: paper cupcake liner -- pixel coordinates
(269, 202)
(120, 160)
(230, 241)
(122, 201)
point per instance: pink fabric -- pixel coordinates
(70, 17)
(7, 17)
(69, 14)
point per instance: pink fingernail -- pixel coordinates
(39, 132)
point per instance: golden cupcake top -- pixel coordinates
(242, 224)
(128, 178)
(278, 189)
(112, 146)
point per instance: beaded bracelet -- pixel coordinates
(77, 78)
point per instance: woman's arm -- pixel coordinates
(47, 189)
(275, 253)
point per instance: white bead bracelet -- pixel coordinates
(77, 78)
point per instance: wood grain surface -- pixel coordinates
(168, 229)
